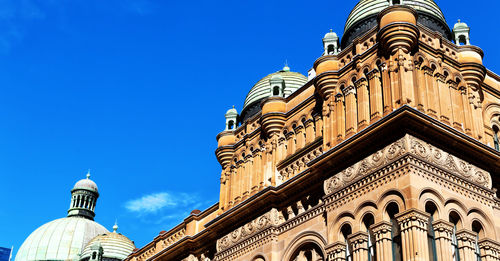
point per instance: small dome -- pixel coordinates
(262, 90)
(61, 239)
(232, 111)
(331, 35)
(363, 17)
(460, 25)
(86, 184)
(115, 246)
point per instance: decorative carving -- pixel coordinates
(271, 218)
(408, 145)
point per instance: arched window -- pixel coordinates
(345, 231)
(454, 218)
(369, 220)
(462, 40)
(94, 255)
(276, 91)
(392, 211)
(478, 228)
(230, 125)
(331, 49)
(431, 209)
(396, 2)
(496, 140)
(308, 252)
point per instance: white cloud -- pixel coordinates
(155, 202)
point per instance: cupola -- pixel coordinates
(84, 198)
(231, 119)
(331, 43)
(461, 33)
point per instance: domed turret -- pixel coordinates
(108, 246)
(84, 198)
(331, 43)
(231, 119)
(281, 83)
(461, 33)
(364, 17)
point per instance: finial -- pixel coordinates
(331, 30)
(233, 106)
(459, 21)
(115, 227)
(286, 68)
(88, 174)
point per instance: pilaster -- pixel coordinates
(413, 224)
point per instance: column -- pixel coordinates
(413, 224)
(457, 106)
(350, 111)
(290, 141)
(444, 99)
(336, 251)
(327, 123)
(386, 89)
(363, 103)
(376, 99)
(420, 88)
(340, 117)
(309, 131)
(359, 245)
(466, 244)
(467, 112)
(490, 250)
(383, 240)
(432, 109)
(443, 232)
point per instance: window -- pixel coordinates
(331, 49)
(496, 140)
(478, 228)
(455, 220)
(392, 211)
(431, 209)
(369, 220)
(230, 125)
(396, 2)
(346, 230)
(94, 255)
(462, 40)
(276, 91)
(307, 252)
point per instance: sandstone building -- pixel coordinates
(389, 150)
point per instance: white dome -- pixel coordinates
(87, 184)
(61, 239)
(114, 245)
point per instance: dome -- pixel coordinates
(114, 246)
(364, 17)
(330, 35)
(232, 111)
(86, 184)
(61, 239)
(262, 89)
(460, 25)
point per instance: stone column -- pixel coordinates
(383, 240)
(420, 87)
(359, 244)
(414, 223)
(376, 102)
(444, 99)
(490, 250)
(336, 251)
(466, 244)
(443, 232)
(309, 131)
(363, 103)
(386, 89)
(300, 137)
(467, 112)
(350, 111)
(340, 117)
(433, 105)
(456, 102)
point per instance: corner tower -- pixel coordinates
(84, 198)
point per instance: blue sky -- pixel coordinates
(136, 90)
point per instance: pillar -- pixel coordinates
(443, 232)
(340, 117)
(444, 99)
(466, 244)
(490, 250)
(383, 240)
(359, 244)
(376, 102)
(336, 251)
(363, 103)
(350, 111)
(413, 224)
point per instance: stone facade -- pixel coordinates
(388, 153)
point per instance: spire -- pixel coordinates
(286, 68)
(88, 174)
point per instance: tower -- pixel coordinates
(461, 33)
(84, 198)
(231, 119)
(331, 43)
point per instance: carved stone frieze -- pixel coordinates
(408, 145)
(298, 165)
(269, 219)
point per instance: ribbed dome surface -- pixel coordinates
(262, 89)
(432, 17)
(61, 239)
(114, 245)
